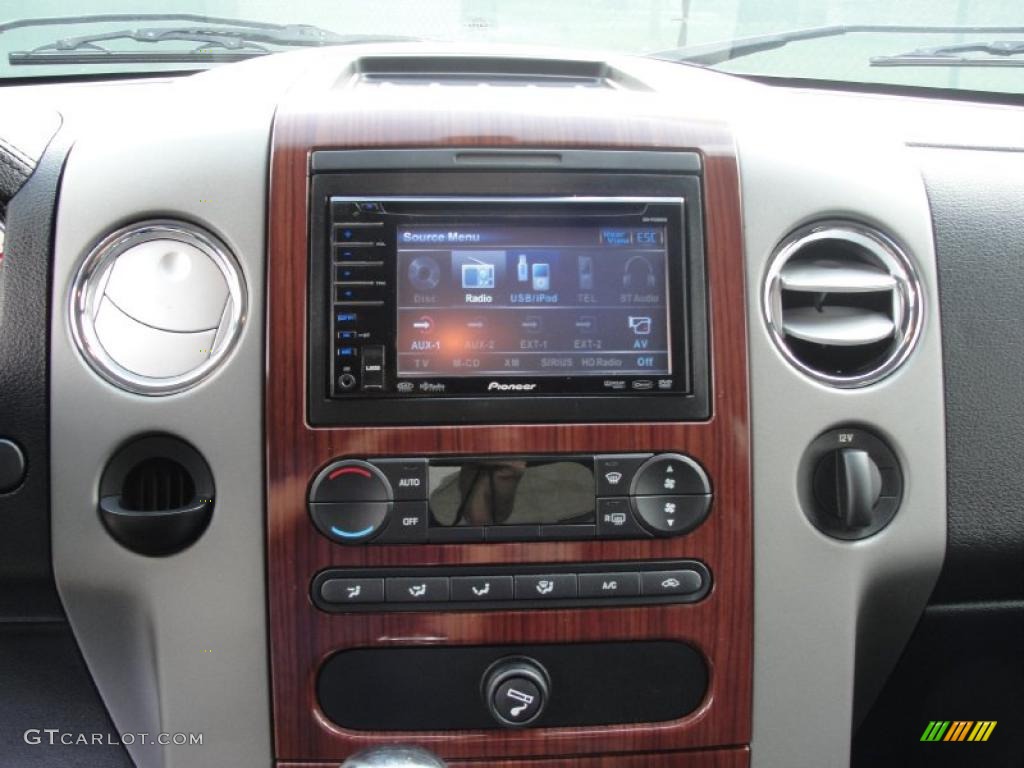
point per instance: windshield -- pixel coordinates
(966, 44)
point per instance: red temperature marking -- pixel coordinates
(349, 471)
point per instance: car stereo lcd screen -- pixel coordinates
(504, 299)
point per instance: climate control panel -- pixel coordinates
(509, 498)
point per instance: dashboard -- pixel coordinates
(537, 410)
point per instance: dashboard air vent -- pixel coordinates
(157, 485)
(843, 303)
(157, 306)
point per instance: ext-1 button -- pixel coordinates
(341, 591)
(615, 521)
(609, 584)
(671, 583)
(553, 586)
(426, 589)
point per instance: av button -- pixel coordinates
(671, 515)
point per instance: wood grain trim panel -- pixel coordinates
(738, 757)
(301, 636)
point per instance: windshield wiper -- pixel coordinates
(220, 40)
(999, 52)
(710, 54)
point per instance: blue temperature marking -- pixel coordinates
(353, 534)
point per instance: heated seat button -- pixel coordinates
(418, 589)
(684, 582)
(670, 473)
(342, 591)
(481, 588)
(350, 481)
(350, 522)
(609, 584)
(671, 515)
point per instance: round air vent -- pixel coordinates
(157, 306)
(842, 303)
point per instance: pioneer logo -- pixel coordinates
(497, 386)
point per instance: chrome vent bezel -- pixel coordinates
(908, 299)
(89, 285)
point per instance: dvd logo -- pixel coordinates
(496, 386)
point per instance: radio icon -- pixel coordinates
(478, 275)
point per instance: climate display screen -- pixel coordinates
(522, 300)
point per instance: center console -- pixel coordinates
(509, 507)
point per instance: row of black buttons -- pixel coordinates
(686, 581)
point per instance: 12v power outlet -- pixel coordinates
(850, 483)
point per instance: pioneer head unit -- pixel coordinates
(506, 307)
